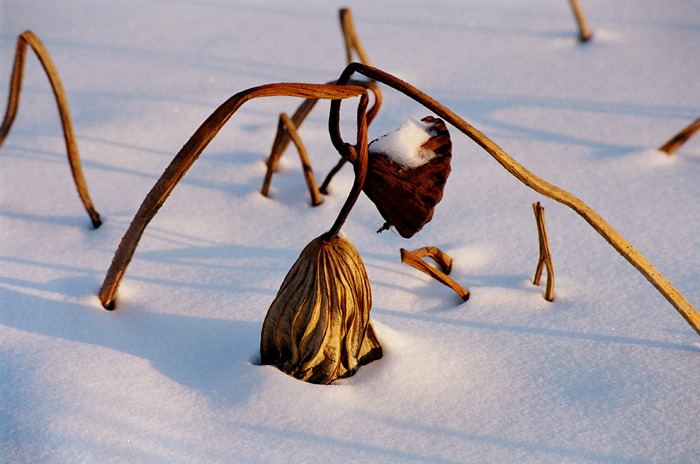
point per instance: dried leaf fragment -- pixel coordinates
(406, 193)
(318, 328)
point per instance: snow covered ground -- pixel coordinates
(607, 373)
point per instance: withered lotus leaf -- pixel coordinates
(318, 328)
(406, 195)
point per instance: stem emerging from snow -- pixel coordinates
(186, 157)
(29, 38)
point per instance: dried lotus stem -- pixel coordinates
(359, 158)
(584, 31)
(318, 327)
(352, 41)
(413, 258)
(29, 38)
(680, 138)
(545, 258)
(282, 138)
(370, 117)
(286, 123)
(634, 257)
(440, 257)
(187, 155)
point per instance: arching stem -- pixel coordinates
(619, 243)
(186, 157)
(29, 38)
(359, 158)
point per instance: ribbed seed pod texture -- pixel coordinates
(318, 328)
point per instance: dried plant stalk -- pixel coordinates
(413, 258)
(584, 32)
(187, 155)
(545, 258)
(287, 124)
(680, 138)
(634, 257)
(29, 38)
(282, 138)
(352, 40)
(318, 327)
(440, 257)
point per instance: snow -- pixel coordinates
(608, 372)
(403, 146)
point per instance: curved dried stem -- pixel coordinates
(187, 155)
(282, 138)
(370, 117)
(619, 243)
(359, 158)
(545, 258)
(286, 124)
(440, 257)
(352, 41)
(584, 34)
(413, 258)
(680, 138)
(29, 38)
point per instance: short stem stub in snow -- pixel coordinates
(545, 258)
(413, 258)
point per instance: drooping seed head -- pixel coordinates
(318, 327)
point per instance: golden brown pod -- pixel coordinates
(318, 327)
(406, 196)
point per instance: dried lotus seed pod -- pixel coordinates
(318, 327)
(407, 172)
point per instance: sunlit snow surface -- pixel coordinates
(607, 373)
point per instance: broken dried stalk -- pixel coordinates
(545, 258)
(29, 38)
(413, 258)
(318, 328)
(188, 155)
(286, 124)
(283, 137)
(634, 257)
(352, 41)
(680, 138)
(584, 31)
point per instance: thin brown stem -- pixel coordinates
(634, 257)
(352, 40)
(584, 32)
(283, 137)
(188, 155)
(287, 124)
(440, 257)
(359, 159)
(545, 258)
(680, 138)
(413, 258)
(29, 38)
